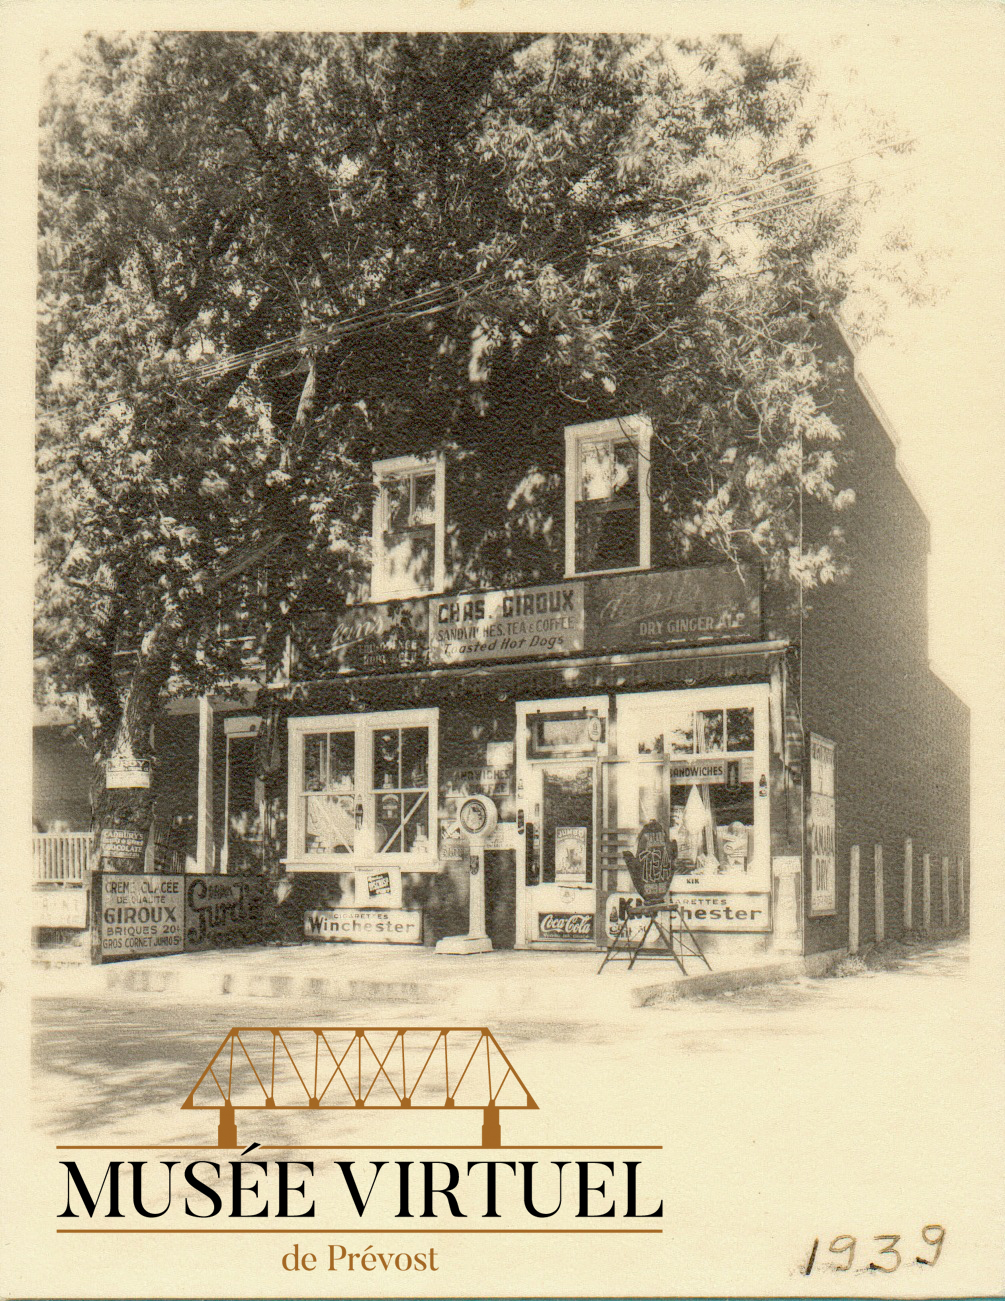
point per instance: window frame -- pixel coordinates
(240, 728)
(399, 467)
(636, 429)
(364, 728)
(754, 695)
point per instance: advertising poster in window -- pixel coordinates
(822, 827)
(570, 853)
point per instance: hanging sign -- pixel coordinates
(127, 774)
(822, 827)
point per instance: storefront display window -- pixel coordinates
(329, 792)
(692, 760)
(361, 787)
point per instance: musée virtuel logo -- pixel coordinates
(353, 1068)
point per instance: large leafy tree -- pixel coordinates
(266, 260)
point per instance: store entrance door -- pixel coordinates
(559, 747)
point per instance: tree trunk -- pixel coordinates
(123, 814)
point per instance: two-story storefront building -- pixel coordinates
(766, 735)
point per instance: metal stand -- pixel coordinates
(677, 939)
(476, 940)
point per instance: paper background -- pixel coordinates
(820, 1164)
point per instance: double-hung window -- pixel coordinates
(363, 791)
(607, 496)
(408, 527)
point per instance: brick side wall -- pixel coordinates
(902, 766)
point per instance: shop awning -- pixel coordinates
(677, 667)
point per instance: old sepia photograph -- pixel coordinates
(517, 654)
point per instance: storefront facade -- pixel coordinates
(557, 703)
(775, 740)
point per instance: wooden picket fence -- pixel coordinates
(61, 856)
(954, 896)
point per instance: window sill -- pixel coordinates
(369, 863)
(605, 573)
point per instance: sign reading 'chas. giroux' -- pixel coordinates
(506, 625)
(622, 612)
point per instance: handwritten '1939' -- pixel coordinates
(888, 1258)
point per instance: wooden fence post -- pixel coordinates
(926, 894)
(853, 882)
(908, 884)
(879, 893)
(961, 883)
(945, 891)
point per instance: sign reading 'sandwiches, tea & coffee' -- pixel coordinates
(506, 625)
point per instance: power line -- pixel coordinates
(442, 297)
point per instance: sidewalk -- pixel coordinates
(564, 985)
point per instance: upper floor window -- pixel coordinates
(408, 527)
(607, 495)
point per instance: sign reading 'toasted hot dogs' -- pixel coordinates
(522, 623)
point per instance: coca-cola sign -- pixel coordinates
(565, 926)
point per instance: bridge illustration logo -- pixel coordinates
(359, 1068)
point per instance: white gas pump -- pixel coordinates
(477, 818)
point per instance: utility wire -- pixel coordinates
(442, 297)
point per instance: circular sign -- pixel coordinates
(652, 864)
(595, 729)
(478, 815)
